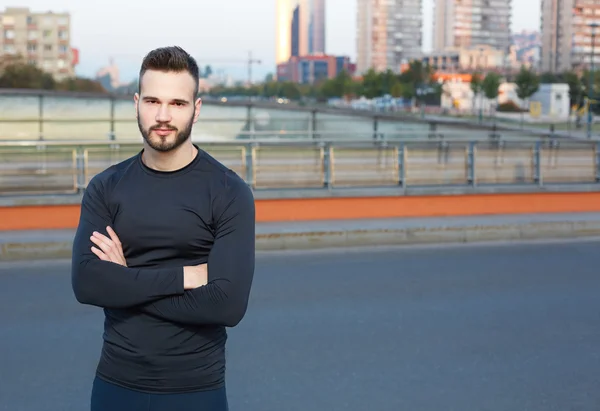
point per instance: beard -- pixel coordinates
(162, 144)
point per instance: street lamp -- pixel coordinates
(591, 82)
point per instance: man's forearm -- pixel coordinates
(108, 285)
(217, 303)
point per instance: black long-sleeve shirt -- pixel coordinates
(158, 337)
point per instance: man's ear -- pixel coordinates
(197, 107)
(136, 99)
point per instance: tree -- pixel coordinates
(23, 75)
(576, 88)
(372, 84)
(550, 78)
(339, 86)
(476, 87)
(418, 74)
(80, 84)
(528, 83)
(290, 91)
(491, 86)
(397, 90)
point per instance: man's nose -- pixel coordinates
(163, 115)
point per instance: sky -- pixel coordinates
(220, 33)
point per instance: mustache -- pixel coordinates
(163, 127)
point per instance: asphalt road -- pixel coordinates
(512, 327)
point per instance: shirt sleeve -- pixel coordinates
(106, 284)
(224, 300)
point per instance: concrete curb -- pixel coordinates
(428, 235)
(468, 233)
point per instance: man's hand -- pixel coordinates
(109, 249)
(195, 276)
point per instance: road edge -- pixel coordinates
(282, 241)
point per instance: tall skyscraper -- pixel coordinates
(300, 28)
(42, 39)
(470, 23)
(388, 34)
(567, 34)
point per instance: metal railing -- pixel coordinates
(40, 167)
(51, 115)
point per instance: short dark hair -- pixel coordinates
(167, 59)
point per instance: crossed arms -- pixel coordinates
(100, 276)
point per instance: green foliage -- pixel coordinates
(15, 73)
(491, 85)
(21, 75)
(527, 83)
(372, 84)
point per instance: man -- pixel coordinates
(165, 244)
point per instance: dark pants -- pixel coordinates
(109, 397)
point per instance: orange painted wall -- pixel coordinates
(66, 216)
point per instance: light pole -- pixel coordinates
(481, 85)
(591, 83)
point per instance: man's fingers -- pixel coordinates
(102, 238)
(111, 249)
(108, 247)
(104, 245)
(113, 242)
(113, 236)
(100, 254)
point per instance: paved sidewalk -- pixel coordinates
(20, 245)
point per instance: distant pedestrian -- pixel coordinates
(180, 269)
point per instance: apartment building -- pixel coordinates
(42, 39)
(472, 23)
(389, 34)
(300, 29)
(466, 59)
(567, 34)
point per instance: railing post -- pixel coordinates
(401, 166)
(598, 162)
(375, 127)
(327, 164)
(80, 156)
(471, 170)
(112, 135)
(313, 124)
(250, 164)
(41, 116)
(432, 130)
(250, 121)
(537, 166)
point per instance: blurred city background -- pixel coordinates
(360, 125)
(453, 57)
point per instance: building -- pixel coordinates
(527, 48)
(567, 34)
(300, 28)
(388, 34)
(314, 69)
(467, 59)
(471, 23)
(42, 39)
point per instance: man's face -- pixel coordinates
(166, 108)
